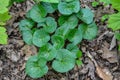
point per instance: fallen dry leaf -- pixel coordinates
(102, 73)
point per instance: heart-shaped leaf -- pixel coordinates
(58, 41)
(69, 8)
(68, 21)
(26, 24)
(36, 67)
(51, 25)
(75, 36)
(27, 36)
(37, 13)
(40, 38)
(75, 50)
(86, 15)
(88, 31)
(64, 61)
(48, 52)
(49, 7)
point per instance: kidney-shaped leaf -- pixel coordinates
(51, 25)
(68, 21)
(75, 36)
(50, 8)
(58, 41)
(86, 15)
(114, 21)
(26, 24)
(40, 38)
(69, 8)
(89, 31)
(64, 61)
(48, 52)
(27, 36)
(36, 67)
(37, 13)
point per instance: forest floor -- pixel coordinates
(101, 59)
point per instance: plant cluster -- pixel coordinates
(56, 27)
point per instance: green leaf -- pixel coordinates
(50, 8)
(26, 24)
(86, 15)
(68, 21)
(51, 25)
(50, 1)
(40, 38)
(104, 17)
(68, 0)
(114, 21)
(79, 62)
(115, 4)
(48, 52)
(69, 8)
(3, 35)
(27, 36)
(58, 41)
(4, 17)
(62, 31)
(3, 6)
(106, 2)
(36, 67)
(75, 50)
(89, 31)
(95, 3)
(17, 1)
(64, 61)
(75, 36)
(37, 13)
(117, 35)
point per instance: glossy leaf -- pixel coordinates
(70, 21)
(69, 8)
(40, 38)
(89, 32)
(75, 50)
(86, 15)
(64, 61)
(51, 25)
(36, 67)
(58, 41)
(48, 52)
(26, 24)
(51, 1)
(27, 36)
(75, 36)
(49, 7)
(37, 13)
